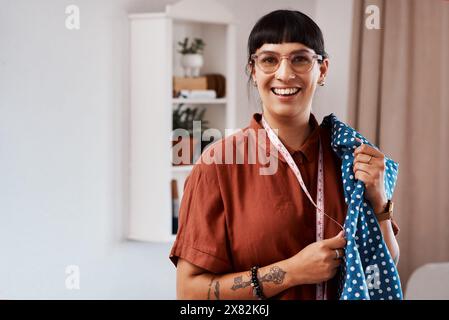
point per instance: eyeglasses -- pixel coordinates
(300, 62)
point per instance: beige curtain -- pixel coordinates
(399, 98)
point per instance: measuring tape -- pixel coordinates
(321, 288)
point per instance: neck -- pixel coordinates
(293, 131)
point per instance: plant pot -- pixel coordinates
(192, 63)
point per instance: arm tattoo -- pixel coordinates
(217, 290)
(275, 275)
(210, 285)
(239, 283)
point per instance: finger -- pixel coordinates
(363, 157)
(335, 263)
(367, 149)
(370, 160)
(336, 242)
(341, 254)
(333, 254)
(362, 176)
(360, 166)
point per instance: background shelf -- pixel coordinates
(182, 169)
(200, 101)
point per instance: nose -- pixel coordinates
(284, 72)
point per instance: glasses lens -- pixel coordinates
(301, 62)
(268, 62)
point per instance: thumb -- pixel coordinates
(336, 242)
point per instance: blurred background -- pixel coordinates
(69, 80)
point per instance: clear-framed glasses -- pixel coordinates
(300, 61)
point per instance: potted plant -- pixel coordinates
(183, 118)
(192, 56)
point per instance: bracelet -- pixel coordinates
(257, 289)
(387, 213)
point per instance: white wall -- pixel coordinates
(63, 145)
(63, 149)
(335, 20)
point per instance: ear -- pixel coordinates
(251, 71)
(324, 67)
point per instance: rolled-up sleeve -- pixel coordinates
(202, 238)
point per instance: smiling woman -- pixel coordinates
(286, 61)
(244, 235)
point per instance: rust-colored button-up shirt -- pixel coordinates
(232, 218)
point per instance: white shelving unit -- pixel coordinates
(200, 101)
(185, 168)
(154, 62)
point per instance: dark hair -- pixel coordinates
(286, 26)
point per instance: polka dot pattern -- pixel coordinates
(368, 272)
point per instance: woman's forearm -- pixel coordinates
(315, 263)
(390, 239)
(387, 231)
(273, 279)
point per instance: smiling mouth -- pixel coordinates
(285, 92)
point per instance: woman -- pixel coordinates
(244, 235)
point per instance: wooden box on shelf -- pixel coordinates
(183, 83)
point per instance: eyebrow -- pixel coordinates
(294, 51)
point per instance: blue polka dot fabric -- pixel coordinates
(369, 272)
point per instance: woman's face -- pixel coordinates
(299, 88)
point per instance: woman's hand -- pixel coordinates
(319, 261)
(369, 167)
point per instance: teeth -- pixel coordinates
(286, 91)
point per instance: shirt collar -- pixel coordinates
(309, 149)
